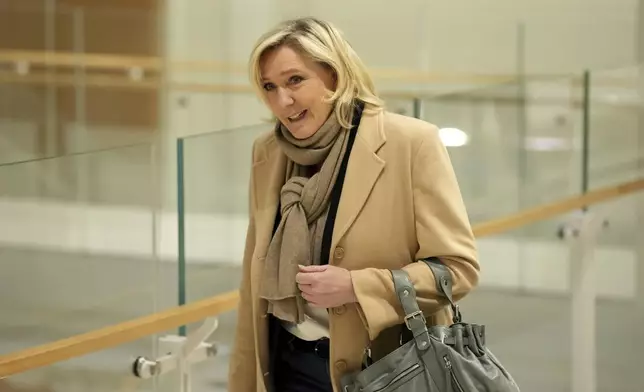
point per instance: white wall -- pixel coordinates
(470, 36)
(508, 261)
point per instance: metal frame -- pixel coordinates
(182, 352)
(582, 233)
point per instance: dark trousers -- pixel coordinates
(301, 366)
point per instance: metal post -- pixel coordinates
(181, 259)
(418, 108)
(582, 235)
(585, 151)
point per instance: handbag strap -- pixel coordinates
(444, 284)
(414, 318)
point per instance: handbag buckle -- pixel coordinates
(418, 313)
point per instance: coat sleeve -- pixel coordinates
(242, 365)
(442, 229)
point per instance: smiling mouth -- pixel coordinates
(297, 117)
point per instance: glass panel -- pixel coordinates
(616, 155)
(619, 256)
(111, 370)
(616, 114)
(78, 247)
(216, 171)
(522, 139)
(554, 123)
(487, 163)
(529, 332)
(104, 371)
(529, 271)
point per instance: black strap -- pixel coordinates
(336, 192)
(444, 284)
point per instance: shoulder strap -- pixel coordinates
(444, 284)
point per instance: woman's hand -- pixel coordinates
(325, 286)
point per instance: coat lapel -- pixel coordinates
(363, 170)
(269, 174)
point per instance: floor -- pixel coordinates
(46, 296)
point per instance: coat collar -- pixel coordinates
(363, 169)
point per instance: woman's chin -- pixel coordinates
(301, 131)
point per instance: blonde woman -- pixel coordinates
(341, 191)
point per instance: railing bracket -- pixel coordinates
(181, 352)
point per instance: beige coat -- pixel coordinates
(400, 203)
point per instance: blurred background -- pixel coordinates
(125, 135)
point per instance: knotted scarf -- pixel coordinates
(304, 205)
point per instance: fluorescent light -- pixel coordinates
(540, 143)
(453, 137)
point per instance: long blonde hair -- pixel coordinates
(321, 42)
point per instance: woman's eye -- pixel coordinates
(295, 79)
(269, 86)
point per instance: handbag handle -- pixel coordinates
(414, 318)
(444, 284)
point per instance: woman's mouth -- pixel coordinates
(297, 116)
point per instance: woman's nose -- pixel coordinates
(284, 97)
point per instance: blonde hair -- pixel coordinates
(320, 41)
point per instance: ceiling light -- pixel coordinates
(453, 137)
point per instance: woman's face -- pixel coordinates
(295, 88)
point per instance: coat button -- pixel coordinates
(340, 310)
(341, 366)
(338, 253)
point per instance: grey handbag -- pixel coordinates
(439, 359)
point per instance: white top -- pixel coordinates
(314, 327)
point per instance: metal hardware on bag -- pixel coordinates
(443, 335)
(413, 316)
(457, 318)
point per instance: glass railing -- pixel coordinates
(528, 297)
(79, 251)
(104, 371)
(521, 140)
(616, 141)
(213, 172)
(615, 113)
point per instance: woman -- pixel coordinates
(341, 191)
